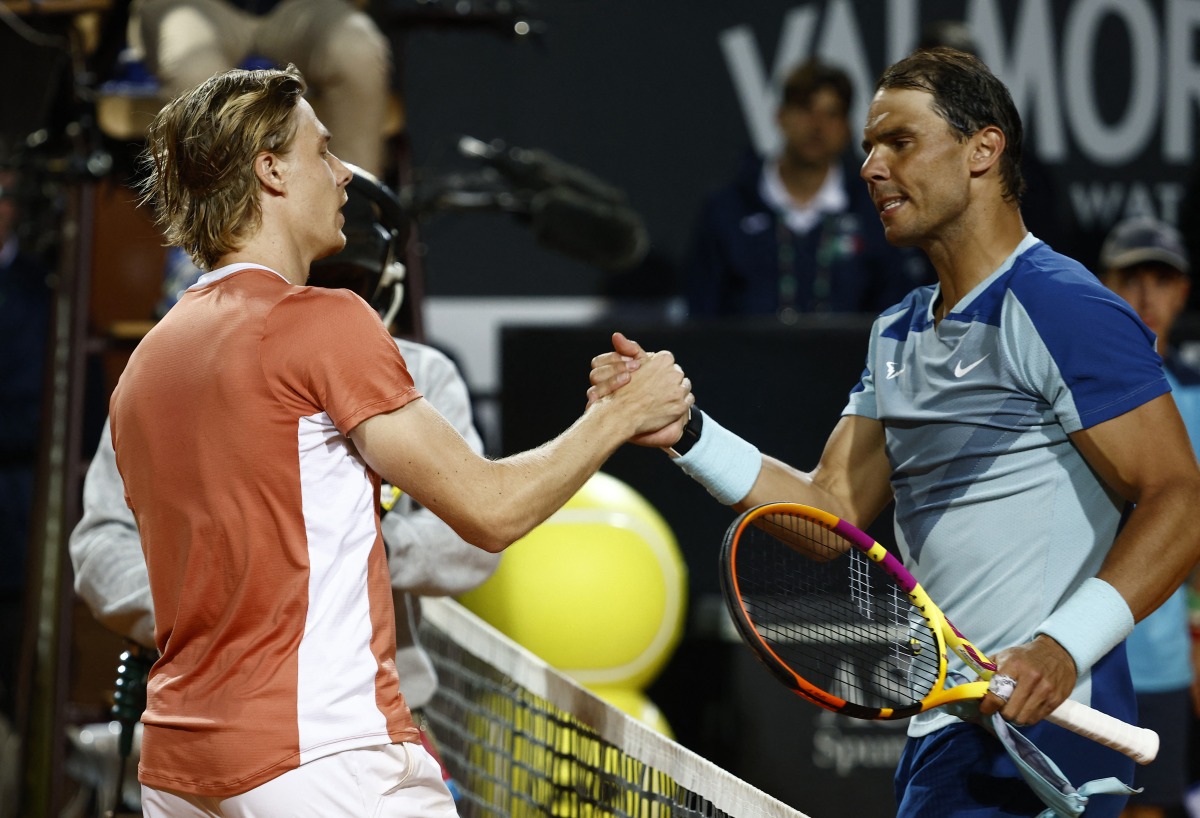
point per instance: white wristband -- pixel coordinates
(722, 462)
(1093, 621)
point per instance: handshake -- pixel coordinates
(662, 407)
(650, 387)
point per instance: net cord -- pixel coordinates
(724, 790)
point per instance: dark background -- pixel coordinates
(783, 388)
(642, 95)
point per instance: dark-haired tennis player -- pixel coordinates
(1012, 410)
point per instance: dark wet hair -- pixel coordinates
(969, 97)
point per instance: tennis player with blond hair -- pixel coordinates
(251, 427)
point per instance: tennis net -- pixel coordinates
(522, 739)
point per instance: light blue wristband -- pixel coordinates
(722, 462)
(1093, 621)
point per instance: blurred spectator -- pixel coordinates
(341, 52)
(798, 232)
(1189, 221)
(25, 298)
(1145, 262)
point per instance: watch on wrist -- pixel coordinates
(691, 433)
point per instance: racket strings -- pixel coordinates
(833, 615)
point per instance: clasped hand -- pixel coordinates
(612, 371)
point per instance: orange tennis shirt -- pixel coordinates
(259, 522)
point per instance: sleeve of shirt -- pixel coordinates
(862, 397)
(1187, 399)
(1084, 350)
(106, 552)
(330, 351)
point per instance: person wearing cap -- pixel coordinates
(1144, 261)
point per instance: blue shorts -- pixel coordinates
(1165, 780)
(962, 770)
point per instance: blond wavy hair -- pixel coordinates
(199, 157)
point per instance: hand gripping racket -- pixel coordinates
(840, 621)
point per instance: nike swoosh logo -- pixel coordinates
(960, 370)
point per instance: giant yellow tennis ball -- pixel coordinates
(598, 590)
(636, 704)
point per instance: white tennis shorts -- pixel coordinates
(389, 781)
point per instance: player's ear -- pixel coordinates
(987, 144)
(269, 168)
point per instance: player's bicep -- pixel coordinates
(1140, 450)
(417, 450)
(854, 468)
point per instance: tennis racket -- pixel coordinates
(840, 621)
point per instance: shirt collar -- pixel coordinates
(830, 197)
(1027, 242)
(230, 269)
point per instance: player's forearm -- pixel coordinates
(1157, 548)
(493, 503)
(490, 504)
(779, 482)
(521, 491)
(852, 479)
(1149, 559)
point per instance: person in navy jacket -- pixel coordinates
(797, 232)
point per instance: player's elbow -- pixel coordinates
(1180, 492)
(492, 511)
(498, 527)
(489, 539)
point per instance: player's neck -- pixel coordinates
(970, 251)
(288, 272)
(275, 254)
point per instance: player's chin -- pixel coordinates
(334, 247)
(898, 237)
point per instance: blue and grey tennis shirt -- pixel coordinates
(997, 513)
